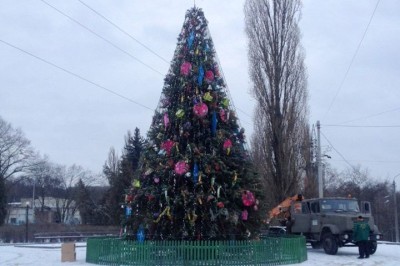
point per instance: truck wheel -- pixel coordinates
(372, 245)
(329, 244)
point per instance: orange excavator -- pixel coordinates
(281, 212)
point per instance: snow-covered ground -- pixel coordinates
(40, 255)
(50, 255)
(386, 254)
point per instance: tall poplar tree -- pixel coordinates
(120, 172)
(278, 74)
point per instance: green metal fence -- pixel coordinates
(268, 251)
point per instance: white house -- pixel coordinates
(47, 210)
(18, 213)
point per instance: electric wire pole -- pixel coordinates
(319, 163)
(396, 222)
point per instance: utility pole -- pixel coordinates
(319, 163)
(26, 221)
(396, 222)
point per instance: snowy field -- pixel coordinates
(386, 255)
(50, 255)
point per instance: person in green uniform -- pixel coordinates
(361, 232)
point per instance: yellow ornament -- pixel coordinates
(136, 183)
(207, 97)
(225, 102)
(180, 113)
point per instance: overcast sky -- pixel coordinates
(99, 82)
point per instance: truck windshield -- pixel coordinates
(339, 205)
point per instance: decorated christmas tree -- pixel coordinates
(194, 181)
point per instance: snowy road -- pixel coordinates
(51, 256)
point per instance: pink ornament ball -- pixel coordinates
(248, 198)
(200, 109)
(167, 146)
(227, 144)
(209, 76)
(181, 167)
(186, 67)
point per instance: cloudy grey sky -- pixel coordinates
(71, 115)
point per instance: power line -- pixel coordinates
(79, 76)
(392, 126)
(123, 31)
(75, 75)
(348, 161)
(109, 42)
(352, 60)
(126, 33)
(337, 151)
(372, 115)
(101, 37)
(243, 112)
(368, 161)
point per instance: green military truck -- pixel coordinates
(328, 222)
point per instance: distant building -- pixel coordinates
(44, 210)
(16, 212)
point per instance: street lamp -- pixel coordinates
(26, 221)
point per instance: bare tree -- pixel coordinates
(56, 185)
(349, 182)
(44, 177)
(69, 177)
(277, 70)
(16, 153)
(356, 182)
(16, 156)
